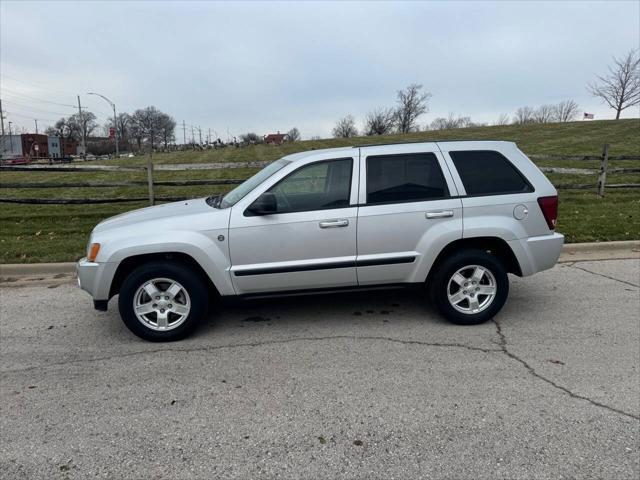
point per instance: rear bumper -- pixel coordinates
(95, 279)
(535, 254)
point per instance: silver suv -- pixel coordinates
(453, 216)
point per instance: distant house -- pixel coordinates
(35, 145)
(275, 138)
(68, 147)
(10, 146)
(53, 142)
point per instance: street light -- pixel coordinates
(115, 119)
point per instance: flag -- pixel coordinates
(587, 116)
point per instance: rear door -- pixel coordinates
(409, 210)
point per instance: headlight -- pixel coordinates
(92, 251)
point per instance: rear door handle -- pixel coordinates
(343, 222)
(439, 214)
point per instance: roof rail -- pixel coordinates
(428, 141)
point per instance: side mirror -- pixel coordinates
(265, 204)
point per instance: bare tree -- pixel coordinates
(379, 122)
(620, 88)
(345, 128)
(503, 119)
(62, 129)
(566, 111)
(167, 129)
(442, 123)
(524, 115)
(82, 124)
(147, 126)
(123, 120)
(250, 138)
(293, 135)
(412, 103)
(544, 114)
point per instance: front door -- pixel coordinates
(310, 240)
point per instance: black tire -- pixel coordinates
(444, 271)
(186, 277)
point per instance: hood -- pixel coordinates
(165, 211)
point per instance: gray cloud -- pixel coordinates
(267, 66)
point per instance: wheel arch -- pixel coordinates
(494, 245)
(129, 264)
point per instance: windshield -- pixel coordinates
(238, 193)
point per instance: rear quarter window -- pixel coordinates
(485, 172)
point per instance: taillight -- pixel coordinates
(549, 207)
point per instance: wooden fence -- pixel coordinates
(599, 186)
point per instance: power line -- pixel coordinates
(24, 96)
(36, 109)
(29, 117)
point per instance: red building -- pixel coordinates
(34, 145)
(275, 138)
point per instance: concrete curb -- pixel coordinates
(27, 269)
(571, 252)
(630, 245)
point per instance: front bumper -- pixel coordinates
(95, 279)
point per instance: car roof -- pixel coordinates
(348, 151)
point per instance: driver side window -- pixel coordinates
(317, 186)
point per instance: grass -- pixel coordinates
(573, 138)
(55, 233)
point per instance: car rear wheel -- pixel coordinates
(469, 287)
(163, 301)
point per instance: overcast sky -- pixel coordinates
(267, 66)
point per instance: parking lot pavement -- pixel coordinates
(368, 385)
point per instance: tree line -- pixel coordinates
(144, 128)
(619, 89)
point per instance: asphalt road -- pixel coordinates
(369, 386)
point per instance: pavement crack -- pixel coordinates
(603, 275)
(258, 344)
(503, 345)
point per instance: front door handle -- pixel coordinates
(440, 214)
(343, 222)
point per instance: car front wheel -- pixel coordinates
(162, 301)
(470, 287)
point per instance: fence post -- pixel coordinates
(602, 176)
(150, 178)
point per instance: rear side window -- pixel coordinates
(488, 173)
(404, 178)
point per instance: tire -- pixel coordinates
(468, 306)
(171, 288)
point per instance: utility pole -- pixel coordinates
(10, 138)
(1, 118)
(83, 125)
(36, 120)
(200, 134)
(193, 137)
(184, 133)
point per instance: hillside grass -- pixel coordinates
(53, 233)
(572, 138)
